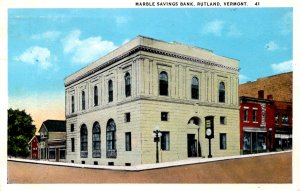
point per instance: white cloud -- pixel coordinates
(83, 51)
(218, 27)
(286, 23)
(271, 46)
(285, 66)
(49, 35)
(36, 56)
(214, 27)
(243, 78)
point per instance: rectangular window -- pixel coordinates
(111, 163)
(128, 141)
(127, 117)
(95, 96)
(254, 115)
(164, 116)
(285, 119)
(95, 162)
(223, 141)
(72, 144)
(72, 127)
(222, 120)
(73, 104)
(246, 111)
(51, 153)
(110, 91)
(165, 141)
(83, 100)
(62, 154)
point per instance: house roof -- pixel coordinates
(38, 138)
(55, 125)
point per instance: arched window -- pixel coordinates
(95, 95)
(96, 140)
(195, 88)
(163, 84)
(83, 100)
(73, 104)
(110, 91)
(83, 141)
(111, 151)
(222, 92)
(127, 85)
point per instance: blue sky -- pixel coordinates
(46, 45)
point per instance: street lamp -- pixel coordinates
(157, 135)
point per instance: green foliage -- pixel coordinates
(20, 131)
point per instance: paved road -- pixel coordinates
(263, 169)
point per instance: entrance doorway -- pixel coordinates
(191, 145)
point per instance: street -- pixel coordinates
(275, 168)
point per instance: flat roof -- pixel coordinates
(142, 43)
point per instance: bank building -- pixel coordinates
(152, 101)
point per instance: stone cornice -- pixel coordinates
(151, 50)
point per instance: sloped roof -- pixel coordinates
(38, 138)
(55, 125)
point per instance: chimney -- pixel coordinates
(261, 94)
(270, 97)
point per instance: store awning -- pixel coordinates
(283, 136)
(253, 129)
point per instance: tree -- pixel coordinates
(20, 131)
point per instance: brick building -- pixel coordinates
(280, 86)
(257, 131)
(278, 91)
(283, 125)
(114, 104)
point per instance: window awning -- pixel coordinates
(253, 129)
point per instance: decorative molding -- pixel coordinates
(94, 79)
(151, 50)
(156, 99)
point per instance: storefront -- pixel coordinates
(254, 140)
(57, 150)
(283, 139)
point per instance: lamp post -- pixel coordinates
(157, 135)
